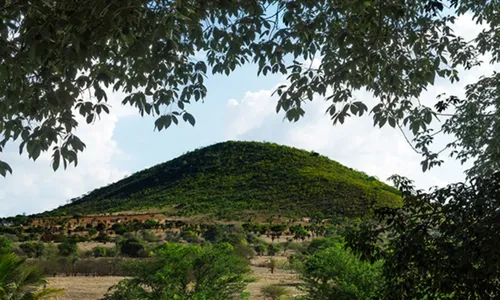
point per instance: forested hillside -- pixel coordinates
(237, 177)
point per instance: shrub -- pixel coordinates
(67, 248)
(92, 231)
(111, 252)
(92, 266)
(33, 249)
(102, 237)
(172, 236)
(336, 273)
(99, 251)
(119, 228)
(100, 226)
(244, 250)
(273, 292)
(149, 236)
(273, 265)
(297, 247)
(6, 245)
(150, 224)
(190, 237)
(185, 272)
(261, 249)
(273, 249)
(132, 247)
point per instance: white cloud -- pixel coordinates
(250, 112)
(34, 187)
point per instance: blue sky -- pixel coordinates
(238, 107)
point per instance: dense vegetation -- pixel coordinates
(236, 176)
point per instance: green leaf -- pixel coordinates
(424, 164)
(392, 122)
(56, 159)
(189, 118)
(4, 168)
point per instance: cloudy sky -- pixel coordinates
(238, 107)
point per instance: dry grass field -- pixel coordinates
(92, 288)
(82, 287)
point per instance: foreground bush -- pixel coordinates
(185, 272)
(336, 273)
(6, 245)
(19, 281)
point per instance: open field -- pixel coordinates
(82, 287)
(93, 288)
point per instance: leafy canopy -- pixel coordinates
(446, 244)
(61, 59)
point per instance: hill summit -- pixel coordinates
(241, 177)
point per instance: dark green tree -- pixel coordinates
(132, 247)
(445, 243)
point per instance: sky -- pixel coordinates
(238, 107)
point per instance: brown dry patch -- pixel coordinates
(87, 246)
(285, 278)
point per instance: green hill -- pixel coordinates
(236, 177)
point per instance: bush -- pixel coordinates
(273, 265)
(6, 245)
(102, 237)
(92, 232)
(33, 249)
(91, 266)
(99, 251)
(261, 249)
(244, 250)
(273, 292)
(149, 236)
(132, 247)
(336, 273)
(273, 249)
(111, 252)
(185, 272)
(119, 228)
(172, 236)
(67, 248)
(190, 237)
(297, 247)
